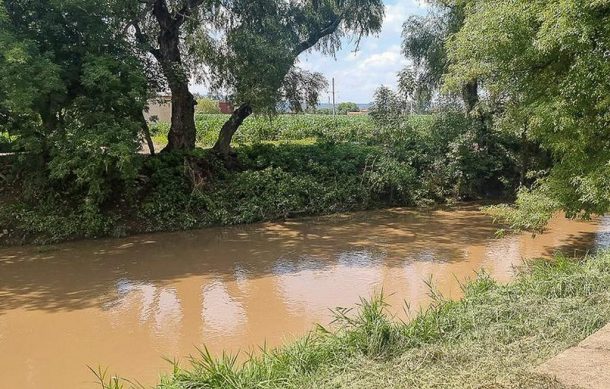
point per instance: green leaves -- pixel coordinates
(72, 94)
(549, 59)
(253, 57)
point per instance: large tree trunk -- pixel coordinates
(470, 94)
(223, 144)
(182, 131)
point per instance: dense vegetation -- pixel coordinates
(547, 63)
(502, 98)
(291, 165)
(493, 337)
(474, 115)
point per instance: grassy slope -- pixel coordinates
(493, 337)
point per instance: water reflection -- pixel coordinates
(125, 303)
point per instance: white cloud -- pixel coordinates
(389, 58)
(377, 61)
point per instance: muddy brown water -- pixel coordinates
(126, 303)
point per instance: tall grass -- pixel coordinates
(492, 337)
(279, 128)
(289, 127)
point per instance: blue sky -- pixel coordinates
(358, 74)
(377, 61)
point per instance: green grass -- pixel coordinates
(279, 128)
(491, 338)
(285, 127)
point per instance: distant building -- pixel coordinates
(358, 113)
(225, 106)
(159, 109)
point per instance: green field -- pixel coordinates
(278, 128)
(289, 127)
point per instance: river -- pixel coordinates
(123, 304)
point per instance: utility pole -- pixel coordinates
(334, 111)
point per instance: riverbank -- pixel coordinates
(187, 191)
(494, 336)
(291, 167)
(176, 192)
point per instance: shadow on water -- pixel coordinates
(84, 274)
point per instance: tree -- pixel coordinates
(263, 40)
(414, 93)
(549, 59)
(72, 92)
(302, 88)
(424, 42)
(344, 108)
(164, 28)
(386, 107)
(255, 46)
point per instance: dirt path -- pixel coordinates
(586, 365)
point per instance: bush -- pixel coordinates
(531, 212)
(344, 108)
(207, 106)
(345, 163)
(276, 182)
(53, 220)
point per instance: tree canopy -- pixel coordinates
(548, 61)
(424, 42)
(348, 106)
(72, 92)
(262, 41)
(301, 89)
(243, 49)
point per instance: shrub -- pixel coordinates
(207, 106)
(531, 212)
(344, 108)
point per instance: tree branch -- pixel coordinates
(161, 13)
(142, 39)
(316, 36)
(186, 11)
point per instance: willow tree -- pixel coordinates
(551, 58)
(302, 88)
(166, 30)
(240, 47)
(262, 41)
(424, 42)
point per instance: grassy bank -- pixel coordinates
(185, 191)
(291, 166)
(493, 337)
